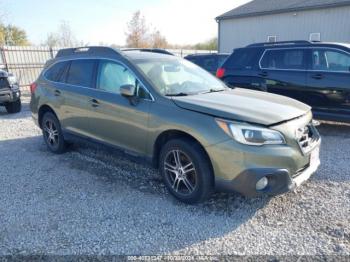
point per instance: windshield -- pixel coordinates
(175, 76)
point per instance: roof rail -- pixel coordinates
(280, 43)
(151, 50)
(92, 50)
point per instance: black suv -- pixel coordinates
(209, 62)
(9, 92)
(315, 73)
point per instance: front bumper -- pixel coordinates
(279, 180)
(8, 95)
(238, 167)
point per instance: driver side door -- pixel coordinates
(118, 120)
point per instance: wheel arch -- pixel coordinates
(168, 135)
(42, 110)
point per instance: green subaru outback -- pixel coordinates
(200, 134)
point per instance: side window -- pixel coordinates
(197, 61)
(112, 76)
(81, 72)
(143, 93)
(284, 59)
(57, 72)
(193, 60)
(210, 63)
(330, 60)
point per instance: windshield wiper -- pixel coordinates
(177, 94)
(213, 91)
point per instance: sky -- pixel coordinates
(104, 21)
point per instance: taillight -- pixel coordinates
(33, 87)
(220, 73)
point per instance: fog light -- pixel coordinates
(262, 183)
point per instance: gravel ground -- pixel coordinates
(97, 201)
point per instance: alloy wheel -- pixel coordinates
(180, 172)
(51, 133)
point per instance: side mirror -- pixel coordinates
(127, 90)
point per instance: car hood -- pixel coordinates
(244, 105)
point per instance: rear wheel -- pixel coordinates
(14, 107)
(52, 133)
(186, 170)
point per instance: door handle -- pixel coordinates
(318, 76)
(57, 93)
(263, 74)
(94, 103)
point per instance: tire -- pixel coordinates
(188, 183)
(52, 134)
(14, 107)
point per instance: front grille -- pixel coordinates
(307, 137)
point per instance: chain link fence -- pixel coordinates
(26, 62)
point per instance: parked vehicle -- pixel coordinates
(10, 94)
(210, 62)
(199, 133)
(315, 73)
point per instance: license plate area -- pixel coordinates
(315, 157)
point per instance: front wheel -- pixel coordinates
(186, 171)
(14, 107)
(52, 133)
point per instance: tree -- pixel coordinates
(63, 37)
(211, 44)
(12, 35)
(158, 40)
(137, 34)
(52, 40)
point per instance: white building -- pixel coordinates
(284, 20)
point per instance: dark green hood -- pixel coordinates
(245, 105)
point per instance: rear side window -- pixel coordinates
(81, 72)
(284, 59)
(330, 60)
(242, 59)
(57, 72)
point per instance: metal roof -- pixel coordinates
(267, 7)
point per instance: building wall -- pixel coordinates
(332, 23)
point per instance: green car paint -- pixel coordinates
(138, 125)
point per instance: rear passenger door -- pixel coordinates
(329, 78)
(75, 95)
(283, 72)
(116, 119)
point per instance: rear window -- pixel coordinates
(284, 59)
(56, 72)
(210, 63)
(222, 59)
(81, 72)
(242, 59)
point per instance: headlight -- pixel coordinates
(251, 135)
